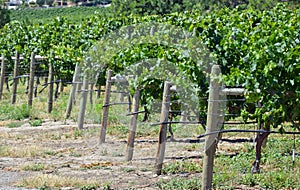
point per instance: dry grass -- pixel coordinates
(5, 135)
(22, 151)
(5, 123)
(56, 181)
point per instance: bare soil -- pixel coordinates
(81, 156)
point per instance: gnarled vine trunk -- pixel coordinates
(261, 138)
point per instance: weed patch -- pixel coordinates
(21, 151)
(187, 166)
(55, 181)
(34, 167)
(36, 122)
(180, 183)
(15, 124)
(14, 112)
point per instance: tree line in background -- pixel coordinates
(146, 7)
(150, 7)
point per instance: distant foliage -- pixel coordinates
(4, 16)
(144, 7)
(44, 15)
(158, 7)
(138, 7)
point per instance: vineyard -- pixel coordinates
(257, 50)
(75, 14)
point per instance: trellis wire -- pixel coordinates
(248, 131)
(177, 122)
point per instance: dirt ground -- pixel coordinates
(81, 156)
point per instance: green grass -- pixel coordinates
(179, 183)
(36, 122)
(278, 171)
(128, 170)
(38, 112)
(13, 112)
(15, 124)
(187, 166)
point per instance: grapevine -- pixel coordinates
(258, 50)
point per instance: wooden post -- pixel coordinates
(83, 101)
(91, 93)
(121, 95)
(212, 123)
(98, 94)
(51, 85)
(61, 87)
(129, 101)
(163, 128)
(31, 79)
(56, 93)
(184, 112)
(7, 85)
(2, 75)
(15, 79)
(79, 87)
(72, 92)
(36, 86)
(133, 125)
(105, 107)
